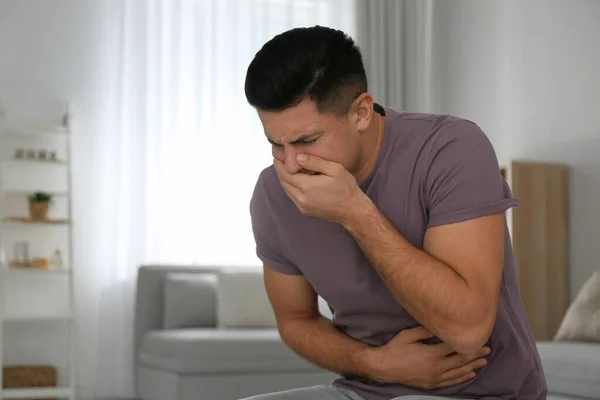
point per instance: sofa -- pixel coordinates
(572, 369)
(182, 351)
(191, 342)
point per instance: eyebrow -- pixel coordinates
(299, 139)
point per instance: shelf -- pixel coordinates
(9, 192)
(26, 220)
(36, 298)
(33, 270)
(32, 393)
(35, 128)
(35, 161)
(36, 318)
(42, 134)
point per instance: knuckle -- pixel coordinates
(302, 204)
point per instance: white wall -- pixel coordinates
(529, 73)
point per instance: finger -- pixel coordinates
(412, 335)
(466, 369)
(458, 360)
(456, 381)
(443, 349)
(284, 176)
(317, 164)
(280, 169)
(297, 180)
(293, 193)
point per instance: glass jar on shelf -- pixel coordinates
(57, 260)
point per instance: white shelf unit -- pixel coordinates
(38, 393)
(37, 300)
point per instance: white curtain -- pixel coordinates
(174, 155)
(396, 40)
(191, 146)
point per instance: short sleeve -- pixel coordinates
(463, 179)
(269, 248)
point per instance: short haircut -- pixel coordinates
(322, 63)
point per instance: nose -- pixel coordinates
(291, 165)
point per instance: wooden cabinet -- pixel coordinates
(539, 235)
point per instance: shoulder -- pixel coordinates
(428, 134)
(435, 124)
(427, 125)
(456, 140)
(448, 128)
(440, 130)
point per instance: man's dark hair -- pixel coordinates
(318, 62)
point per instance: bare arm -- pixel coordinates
(306, 331)
(404, 359)
(452, 286)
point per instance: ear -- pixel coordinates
(362, 111)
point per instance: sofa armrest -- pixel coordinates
(150, 302)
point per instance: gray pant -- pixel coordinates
(324, 392)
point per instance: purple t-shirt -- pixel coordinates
(431, 170)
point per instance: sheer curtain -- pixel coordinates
(396, 39)
(182, 105)
(174, 155)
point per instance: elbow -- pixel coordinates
(469, 343)
(286, 328)
(289, 328)
(469, 337)
(287, 331)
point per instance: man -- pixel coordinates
(397, 221)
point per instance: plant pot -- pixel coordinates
(38, 210)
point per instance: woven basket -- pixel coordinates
(24, 376)
(28, 376)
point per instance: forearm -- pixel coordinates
(320, 342)
(431, 291)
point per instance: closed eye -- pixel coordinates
(307, 141)
(297, 143)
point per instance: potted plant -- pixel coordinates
(39, 203)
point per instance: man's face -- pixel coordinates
(302, 129)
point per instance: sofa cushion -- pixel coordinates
(190, 300)
(192, 351)
(582, 320)
(242, 300)
(571, 368)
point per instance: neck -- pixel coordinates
(371, 145)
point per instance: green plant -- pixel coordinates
(40, 197)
